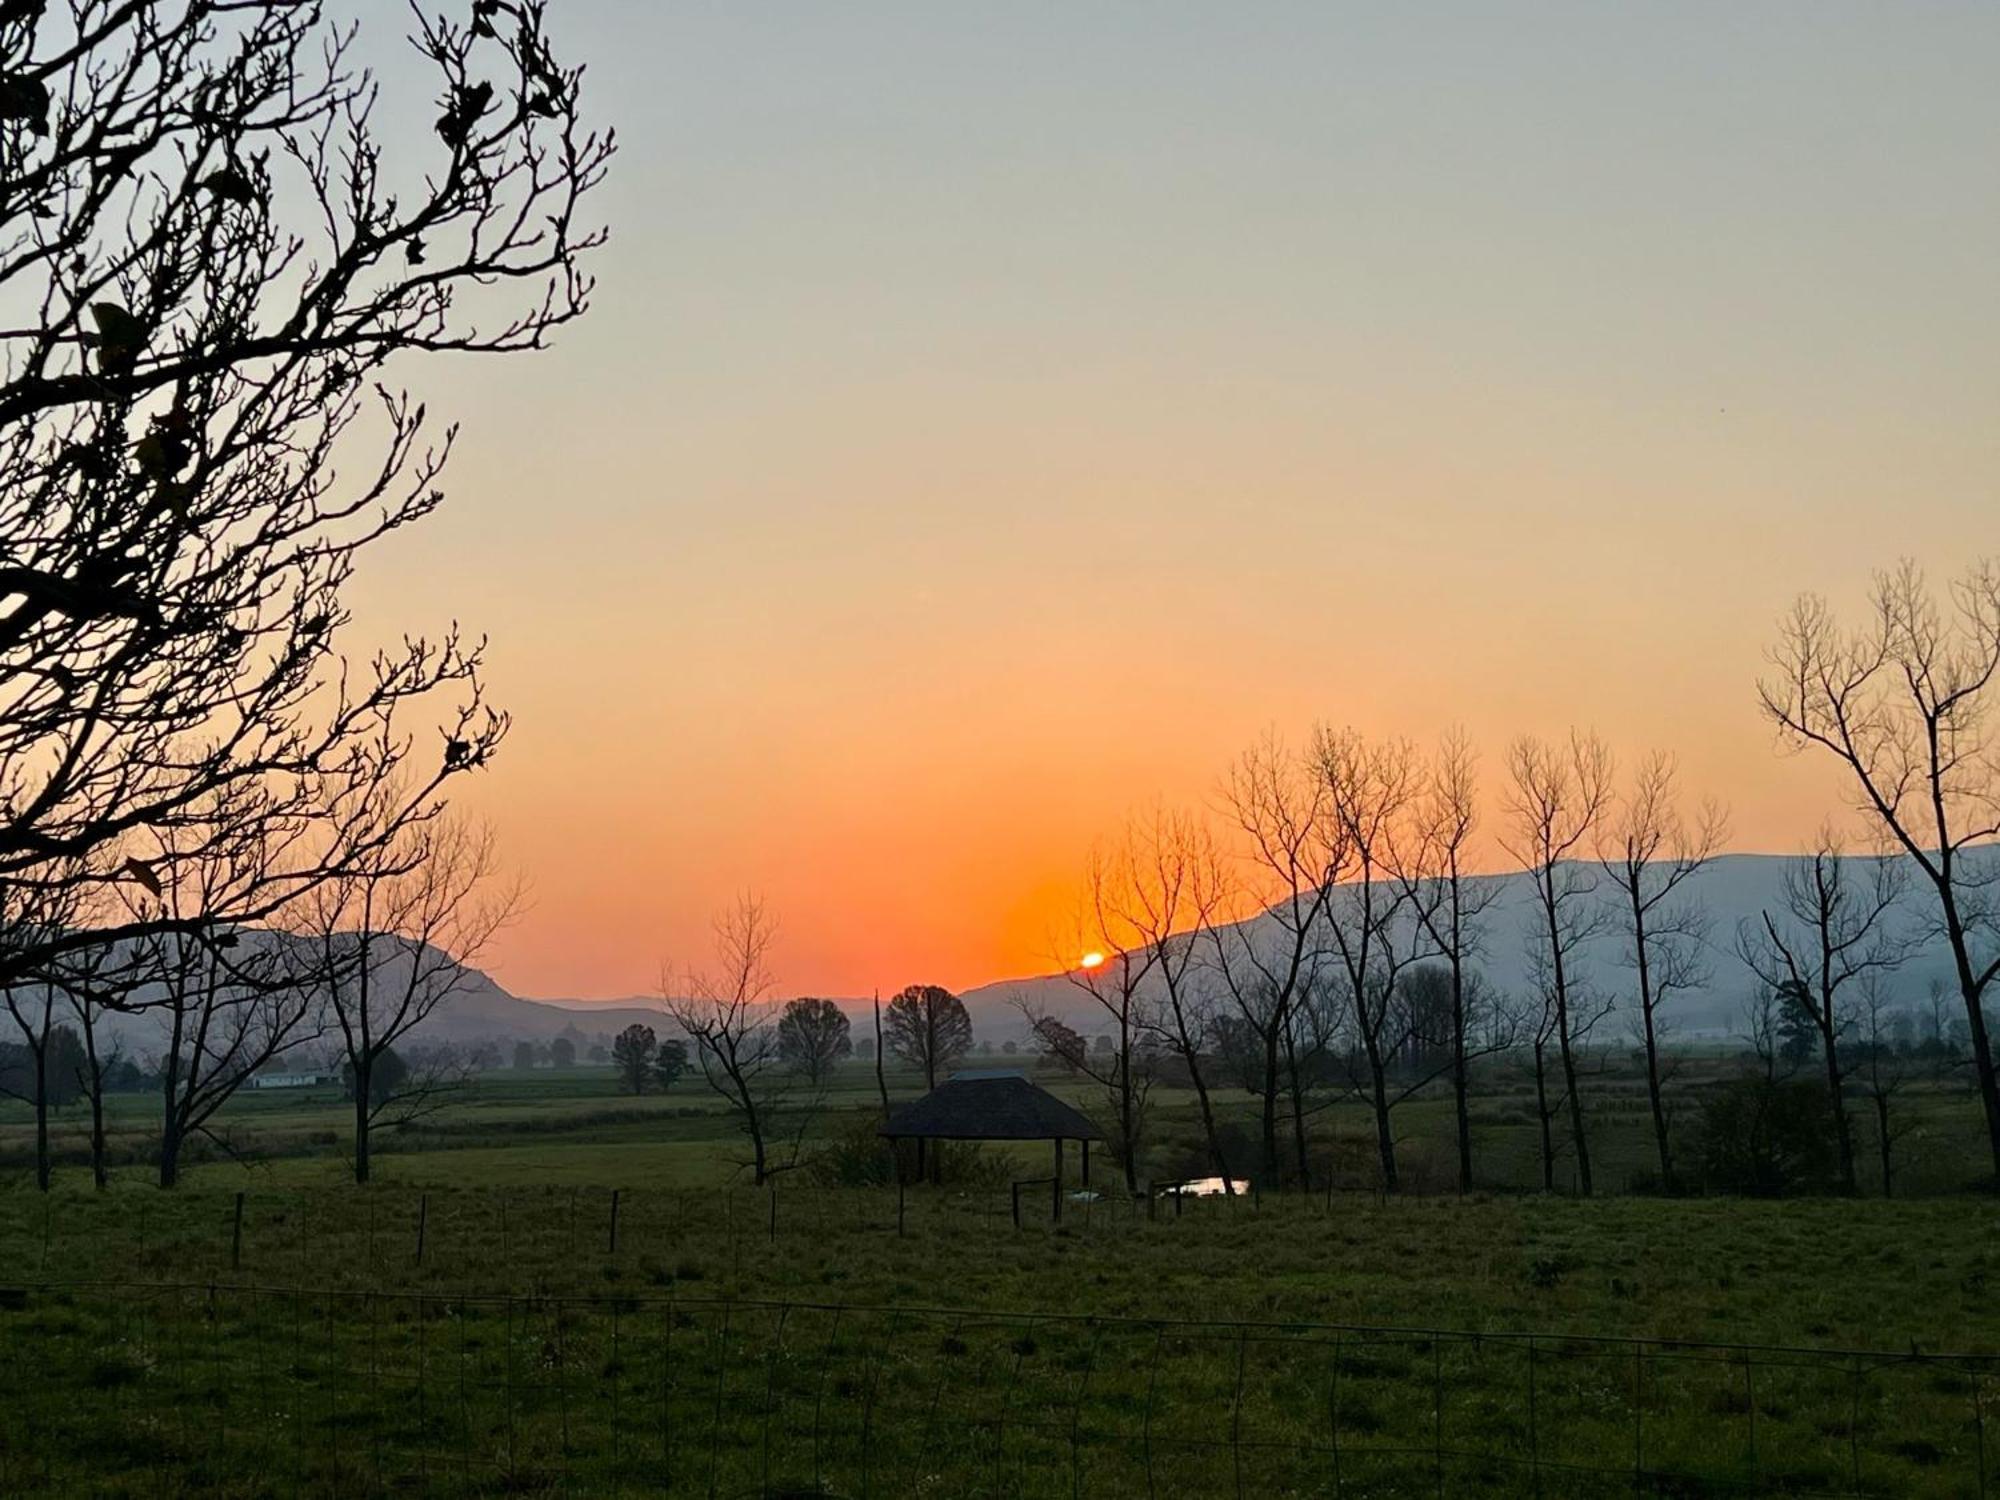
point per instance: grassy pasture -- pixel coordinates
(738, 1341)
(550, 1127)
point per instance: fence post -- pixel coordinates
(1979, 1427)
(1854, 1422)
(1534, 1431)
(1437, 1411)
(611, 1247)
(1750, 1401)
(1638, 1414)
(1236, 1409)
(236, 1236)
(1014, 1191)
(423, 1216)
(1333, 1415)
(1076, 1413)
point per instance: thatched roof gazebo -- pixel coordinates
(993, 1105)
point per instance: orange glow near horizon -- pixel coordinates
(998, 437)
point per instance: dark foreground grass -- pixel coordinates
(1280, 1347)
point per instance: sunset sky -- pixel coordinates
(993, 417)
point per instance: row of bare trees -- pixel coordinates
(214, 809)
(344, 982)
(1316, 942)
(771, 1062)
(1321, 949)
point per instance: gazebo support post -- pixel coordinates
(1086, 1161)
(1055, 1186)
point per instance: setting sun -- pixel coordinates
(1092, 960)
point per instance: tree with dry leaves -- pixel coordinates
(219, 266)
(927, 1026)
(814, 1035)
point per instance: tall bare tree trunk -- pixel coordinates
(1212, 1132)
(1843, 1132)
(881, 1078)
(1461, 1082)
(44, 1171)
(1544, 1115)
(1272, 1172)
(364, 1070)
(1297, 1089)
(99, 1174)
(1882, 1139)
(1971, 989)
(1568, 1053)
(1385, 1138)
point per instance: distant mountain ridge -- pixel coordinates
(1733, 888)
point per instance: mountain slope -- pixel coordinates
(1733, 888)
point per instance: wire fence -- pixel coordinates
(121, 1387)
(543, 1234)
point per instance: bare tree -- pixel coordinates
(217, 268)
(1172, 891)
(813, 1038)
(32, 1007)
(1271, 959)
(1904, 704)
(881, 1077)
(230, 1000)
(1881, 1069)
(726, 1014)
(1652, 853)
(926, 1025)
(1105, 955)
(394, 936)
(1557, 797)
(82, 973)
(1428, 861)
(1763, 1012)
(1833, 929)
(1369, 787)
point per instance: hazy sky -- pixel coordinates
(994, 416)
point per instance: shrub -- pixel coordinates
(1767, 1137)
(853, 1155)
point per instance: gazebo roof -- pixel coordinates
(990, 1106)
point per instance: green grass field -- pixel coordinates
(815, 1339)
